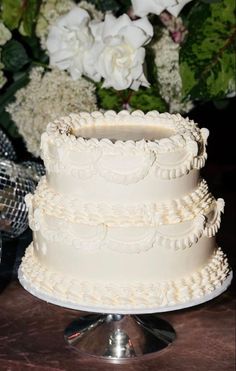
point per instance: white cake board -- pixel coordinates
(66, 304)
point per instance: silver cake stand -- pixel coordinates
(121, 334)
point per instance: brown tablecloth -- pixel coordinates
(31, 337)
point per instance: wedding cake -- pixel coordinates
(122, 221)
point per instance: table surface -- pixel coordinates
(31, 330)
(31, 337)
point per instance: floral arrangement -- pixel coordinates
(63, 56)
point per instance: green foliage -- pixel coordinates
(148, 100)
(14, 56)
(18, 14)
(12, 11)
(35, 52)
(115, 6)
(9, 125)
(105, 5)
(207, 59)
(29, 17)
(145, 99)
(109, 98)
(20, 80)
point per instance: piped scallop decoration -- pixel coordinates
(79, 236)
(140, 240)
(214, 219)
(182, 239)
(129, 161)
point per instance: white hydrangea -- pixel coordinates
(51, 10)
(168, 73)
(48, 96)
(5, 34)
(118, 54)
(143, 8)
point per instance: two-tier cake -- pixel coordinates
(122, 221)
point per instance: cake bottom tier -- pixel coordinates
(69, 291)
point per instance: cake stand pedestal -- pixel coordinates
(120, 334)
(120, 337)
(117, 336)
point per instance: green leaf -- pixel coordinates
(12, 11)
(106, 5)
(9, 125)
(21, 80)
(8, 96)
(207, 59)
(20, 14)
(35, 52)
(29, 17)
(109, 98)
(14, 56)
(148, 100)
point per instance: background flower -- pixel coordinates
(68, 41)
(48, 96)
(51, 10)
(120, 55)
(168, 73)
(142, 8)
(5, 34)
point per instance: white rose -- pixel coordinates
(142, 8)
(117, 54)
(68, 41)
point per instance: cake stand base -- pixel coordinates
(117, 337)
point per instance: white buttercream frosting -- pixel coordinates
(138, 294)
(124, 161)
(75, 209)
(123, 235)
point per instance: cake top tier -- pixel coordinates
(125, 128)
(124, 144)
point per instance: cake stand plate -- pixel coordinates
(103, 309)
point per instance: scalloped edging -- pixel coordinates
(187, 136)
(185, 240)
(100, 237)
(212, 226)
(112, 295)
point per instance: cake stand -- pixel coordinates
(120, 334)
